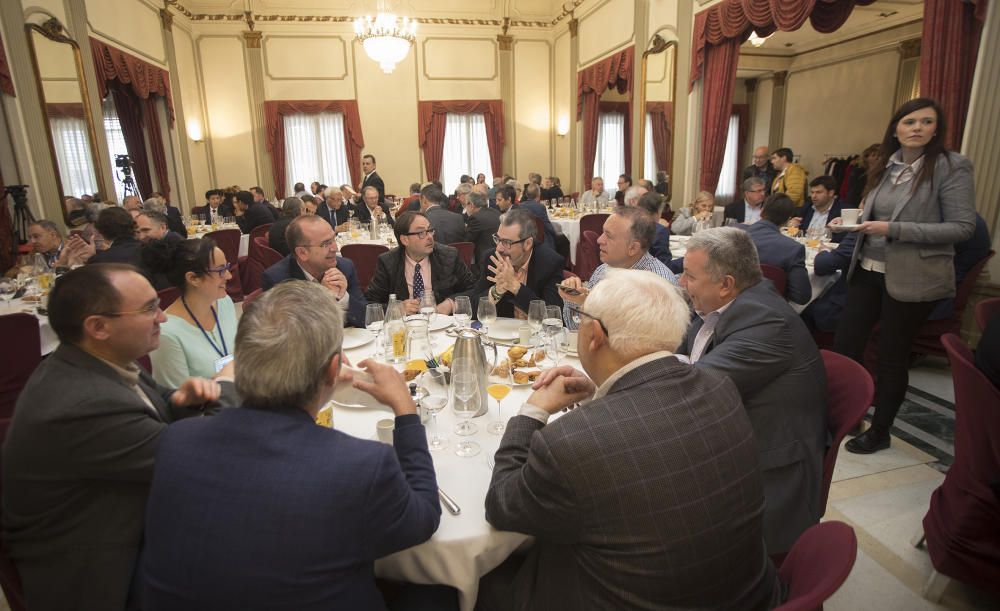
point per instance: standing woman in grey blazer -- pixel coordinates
(919, 201)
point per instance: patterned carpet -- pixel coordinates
(928, 422)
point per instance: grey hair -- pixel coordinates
(642, 229)
(157, 217)
(463, 189)
(626, 300)
(94, 210)
(523, 219)
(478, 199)
(752, 182)
(48, 225)
(154, 204)
(292, 206)
(730, 252)
(633, 193)
(284, 344)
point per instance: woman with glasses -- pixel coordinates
(198, 337)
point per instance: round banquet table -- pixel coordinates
(570, 227)
(49, 341)
(244, 239)
(465, 547)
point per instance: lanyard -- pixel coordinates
(222, 353)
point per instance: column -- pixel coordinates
(778, 111)
(642, 34)
(908, 81)
(182, 193)
(576, 153)
(254, 59)
(506, 46)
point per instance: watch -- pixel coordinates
(494, 293)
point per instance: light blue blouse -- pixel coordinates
(184, 352)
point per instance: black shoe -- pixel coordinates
(869, 442)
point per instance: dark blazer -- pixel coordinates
(449, 226)
(538, 210)
(335, 217)
(545, 271)
(365, 216)
(551, 193)
(76, 470)
(256, 214)
(276, 234)
(223, 210)
(480, 231)
(823, 314)
(289, 516)
(763, 346)
(661, 244)
(449, 275)
(174, 221)
(288, 269)
(736, 210)
(374, 181)
(784, 252)
(808, 211)
(638, 500)
(766, 174)
(129, 251)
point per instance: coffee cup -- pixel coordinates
(850, 216)
(384, 430)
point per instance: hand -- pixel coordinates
(336, 281)
(703, 216)
(196, 391)
(577, 284)
(504, 275)
(556, 396)
(446, 307)
(837, 221)
(795, 221)
(411, 306)
(664, 222)
(388, 386)
(77, 251)
(874, 227)
(574, 380)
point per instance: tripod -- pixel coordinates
(124, 163)
(19, 224)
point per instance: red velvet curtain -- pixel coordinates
(143, 78)
(660, 113)
(613, 72)
(431, 117)
(6, 81)
(949, 49)
(156, 147)
(129, 108)
(274, 123)
(717, 104)
(73, 110)
(624, 108)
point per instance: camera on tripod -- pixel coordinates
(123, 163)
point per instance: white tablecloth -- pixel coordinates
(244, 239)
(465, 547)
(571, 229)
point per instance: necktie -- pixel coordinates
(418, 283)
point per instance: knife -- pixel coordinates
(449, 503)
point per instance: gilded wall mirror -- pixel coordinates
(658, 83)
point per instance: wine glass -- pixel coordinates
(463, 310)
(428, 306)
(500, 384)
(434, 403)
(536, 314)
(552, 326)
(465, 402)
(7, 291)
(487, 314)
(374, 316)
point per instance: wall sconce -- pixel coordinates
(194, 131)
(562, 126)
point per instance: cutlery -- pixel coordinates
(449, 503)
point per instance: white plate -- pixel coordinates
(505, 329)
(844, 227)
(438, 321)
(355, 338)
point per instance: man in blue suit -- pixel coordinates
(312, 243)
(780, 250)
(824, 206)
(530, 203)
(287, 514)
(824, 313)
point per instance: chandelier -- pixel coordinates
(385, 40)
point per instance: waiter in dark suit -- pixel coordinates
(371, 179)
(643, 496)
(313, 247)
(745, 330)
(483, 224)
(78, 458)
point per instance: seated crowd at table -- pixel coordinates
(686, 458)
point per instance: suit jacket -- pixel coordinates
(923, 230)
(129, 251)
(335, 217)
(792, 183)
(256, 214)
(763, 346)
(449, 226)
(76, 470)
(766, 174)
(808, 211)
(374, 181)
(290, 516)
(480, 231)
(449, 275)
(288, 269)
(545, 271)
(223, 210)
(174, 221)
(620, 524)
(784, 252)
(736, 210)
(538, 210)
(823, 314)
(276, 235)
(363, 214)
(661, 244)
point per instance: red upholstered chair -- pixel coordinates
(168, 296)
(540, 229)
(587, 255)
(593, 222)
(985, 310)
(365, 258)
(252, 297)
(259, 230)
(575, 195)
(849, 390)
(962, 525)
(21, 354)
(228, 240)
(817, 565)
(777, 277)
(467, 250)
(9, 578)
(260, 257)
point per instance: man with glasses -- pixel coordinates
(747, 209)
(761, 168)
(371, 206)
(518, 273)
(312, 243)
(642, 497)
(79, 454)
(420, 265)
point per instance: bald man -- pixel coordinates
(761, 168)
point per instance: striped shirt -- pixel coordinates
(646, 262)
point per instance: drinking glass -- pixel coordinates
(500, 384)
(434, 402)
(487, 314)
(428, 306)
(374, 316)
(465, 402)
(463, 310)
(7, 291)
(536, 314)
(552, 326)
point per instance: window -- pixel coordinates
(315, 149)
(465, 150)
(609, 162)
(649, 163)
(116, 144)
(76, 170)
(726, 190)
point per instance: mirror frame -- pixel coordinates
(54, 31)
(657, 44)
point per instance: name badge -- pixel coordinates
(221, 363)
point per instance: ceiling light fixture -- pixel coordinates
(385, 39)
(757, 40)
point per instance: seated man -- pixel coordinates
(291, 208)
(154, 226)
(291, 515)
(79, 454)
(250, 213)
(779, 250)
(335, 210)
(46, 240)
(530, 204)
(747, 332)
(312, 245)
(624, 244)
(653, 204)
(746, 210)
(418, 265)
(157, 203)
(372, 206)
(412, 202)
(118, 229)
(517, 272)
(822, 208)
(449, 227)
(483, 223)
(505, 198)
(260, 198)
(823, 314)
(644, 497)
(596, 194)
(214, 208)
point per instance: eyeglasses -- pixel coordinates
(150, 308)
(575, 312)
(423, 233)
(506, 243)
(323, 244)
(221, 270)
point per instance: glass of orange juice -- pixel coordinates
(499, 386)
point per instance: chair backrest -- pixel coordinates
(776, 275)
(21, 354)
(976, 418)
(985, 310)
(968, 283)
(365, 258)
(593, 222)
(260, 230)
(467, 250)
(268, 256)
(587, 255)
(168, 296)
(849, 391)
(10, 580)
(817, 565)
(229, 241)
(249, 299)
(540, 229)
(575, 195)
